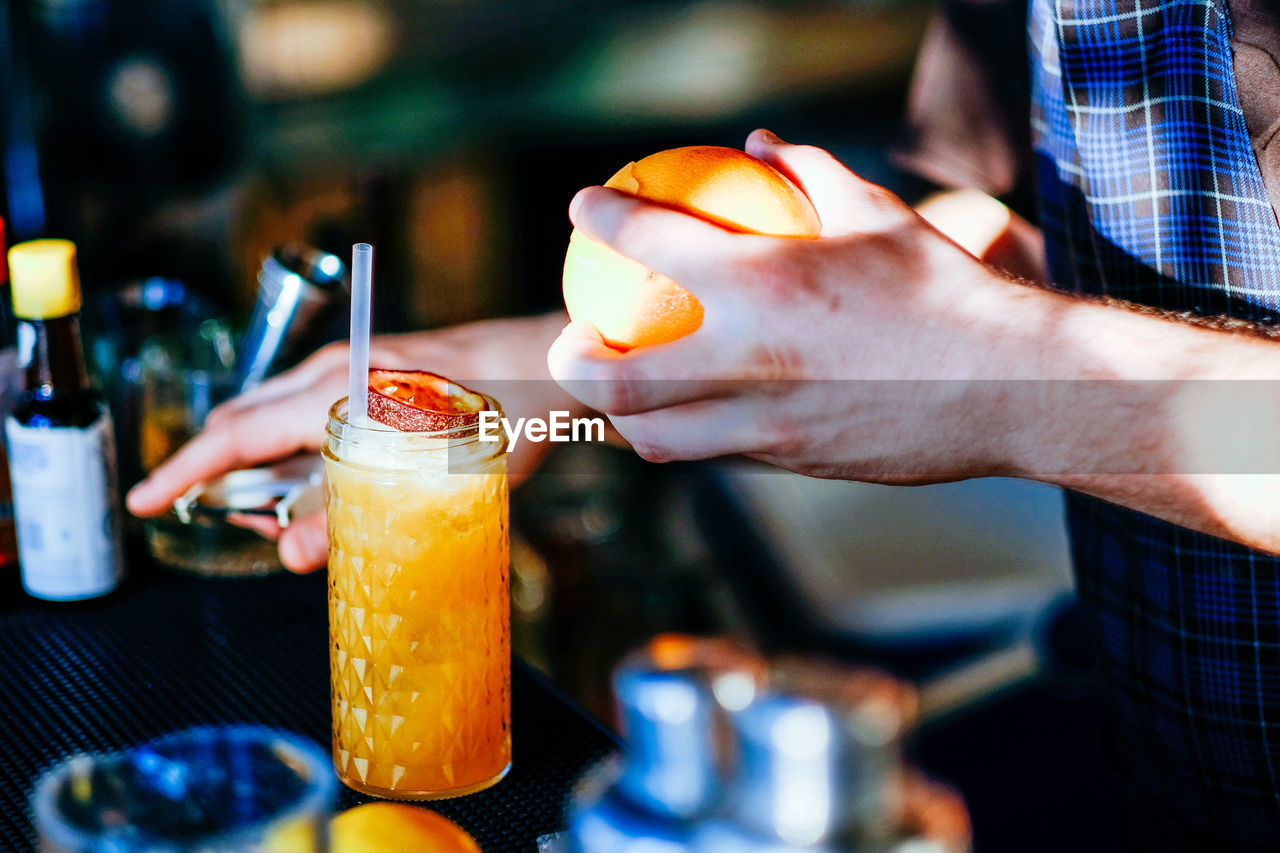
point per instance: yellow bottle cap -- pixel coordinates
(43, 279)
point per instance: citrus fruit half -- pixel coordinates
(396, 827)
(378, 828)
(633, 306)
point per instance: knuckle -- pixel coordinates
(784, 441)
(778, 277)
(333, 351)
(773, 362)
(781, 434)
(812, 153)
(890, 210)
(618, 395)
(611, 384)
(330, 357)
(762, 267)
(220, 418)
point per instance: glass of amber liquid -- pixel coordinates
(420, 655)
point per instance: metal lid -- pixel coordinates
(877, 708)
(673, 695)
(791, 786)
(820, 754)
(285, 490)
(725, 836)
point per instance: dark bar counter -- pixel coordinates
(168, 651)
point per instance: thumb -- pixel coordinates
(845, 202)
(304, 544)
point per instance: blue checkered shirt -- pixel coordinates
(1150, 192)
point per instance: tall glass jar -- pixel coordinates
(420, 652)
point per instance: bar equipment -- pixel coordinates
(726, 758)
(674, 697)
(298, 288)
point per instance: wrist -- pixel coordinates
(1009, 329)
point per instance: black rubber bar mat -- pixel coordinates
(167, 652)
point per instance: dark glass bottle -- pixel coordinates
(61, 442)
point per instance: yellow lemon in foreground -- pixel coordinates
(632, 306)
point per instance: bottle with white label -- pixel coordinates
(61, 444)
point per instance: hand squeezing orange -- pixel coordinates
(632, 306)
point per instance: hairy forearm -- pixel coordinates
(882, 352)
(1169, 415)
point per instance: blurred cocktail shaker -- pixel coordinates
(298, 288)
(724, 755)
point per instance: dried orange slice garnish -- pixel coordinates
(418, 401)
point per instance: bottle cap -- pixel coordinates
(44, 280)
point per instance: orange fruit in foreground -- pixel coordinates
(379, 828)
(395, 827)
(632, 306)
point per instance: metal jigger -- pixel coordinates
(822, 771)
(673, 695)
(802, 783)
(601, 820)
(297, 287)
(716, 763)
(869, 712)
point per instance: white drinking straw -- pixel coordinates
(361, 297)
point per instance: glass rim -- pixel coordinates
(462, 434)
(317, 797)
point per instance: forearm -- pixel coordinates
(882, 352)
(1170, 415)
(1153, 413)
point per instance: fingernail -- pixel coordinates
(303, 548)
(771, 137)
(575, 205)
(289, 552)
(138, 492)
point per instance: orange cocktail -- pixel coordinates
(418, 609)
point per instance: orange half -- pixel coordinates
(633, 306)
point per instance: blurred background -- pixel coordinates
(184, 139)
(187, 138)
